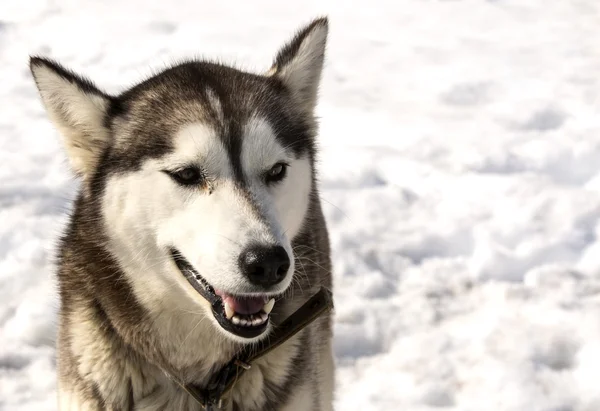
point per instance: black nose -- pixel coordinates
(264, 265)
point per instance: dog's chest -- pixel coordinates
(153, 390)
(247, 394)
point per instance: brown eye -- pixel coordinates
(277, 173)
(187, 176)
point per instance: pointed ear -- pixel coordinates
(299, 64)
(77, 108)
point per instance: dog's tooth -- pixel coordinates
(229, 312)
(269, 306)
(244, 322)
(264, 317)
(257, 320)
(235, 319)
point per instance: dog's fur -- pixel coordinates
(127, 313)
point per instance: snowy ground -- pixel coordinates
(460, 173)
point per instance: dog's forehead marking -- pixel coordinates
(201, 143)
(198, 143)
(260, 147)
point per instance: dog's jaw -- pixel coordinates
(245, 318)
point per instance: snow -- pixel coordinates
(460, 173)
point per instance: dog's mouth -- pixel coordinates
(243, 316)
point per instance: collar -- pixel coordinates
(212, 396)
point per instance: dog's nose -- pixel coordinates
(264, 265)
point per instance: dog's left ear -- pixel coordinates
(299, 64)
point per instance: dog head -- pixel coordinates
(202, 175)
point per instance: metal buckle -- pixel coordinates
(242, 364)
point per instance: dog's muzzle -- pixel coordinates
(243, 316)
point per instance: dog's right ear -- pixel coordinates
(77, 108)
(299, 64)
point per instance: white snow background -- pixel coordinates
(460, 173)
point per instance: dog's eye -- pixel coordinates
(187, 176)
(277, 173)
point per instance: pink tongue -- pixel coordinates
(243, 305)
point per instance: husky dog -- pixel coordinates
(201, 169)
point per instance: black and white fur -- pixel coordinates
(127, 313)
